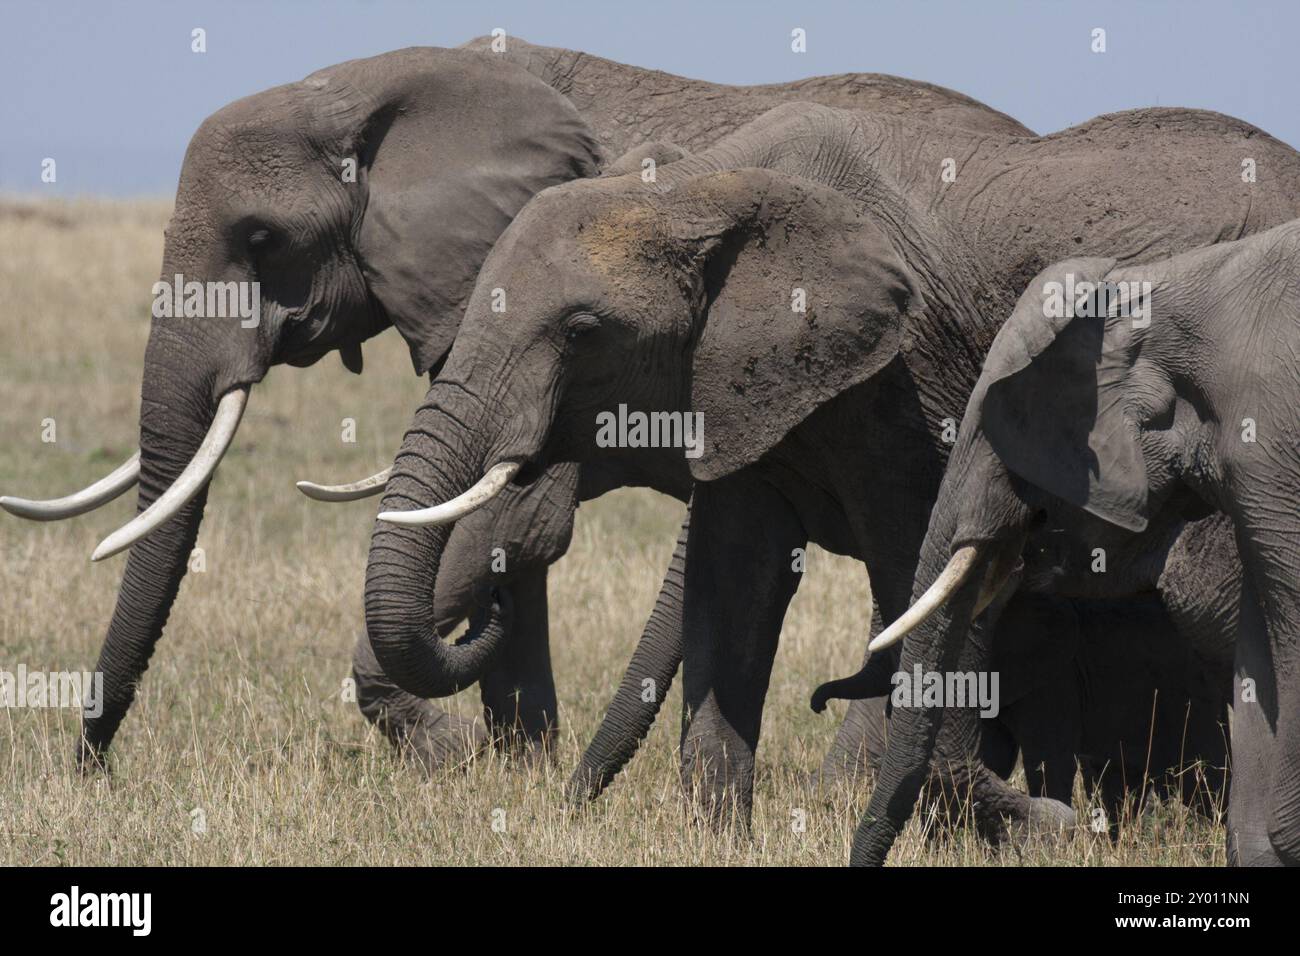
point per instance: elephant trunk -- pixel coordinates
(440, 458)
(936, 645)
(176, 410)
(642, 690)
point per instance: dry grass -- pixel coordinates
(241, 716)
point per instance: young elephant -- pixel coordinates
(364, 196)
(818, 293)
(1117, 403)
(1131, 696)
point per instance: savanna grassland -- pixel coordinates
(241, 717)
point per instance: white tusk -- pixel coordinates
(954, 576)
(122, 478)
(349, 492)
(488, 487)
(188, 484)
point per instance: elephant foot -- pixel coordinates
(527, 751)
(858, 748)
(521, 723)
(1253, 849)
(92, 759)
(419, 731)
(998, 810)
(843, 768)
(719, 793)
(830, 781)
(1045, 819)
(435, 739)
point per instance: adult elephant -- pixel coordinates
(1103, 427)
(364, 196)
(825, 424)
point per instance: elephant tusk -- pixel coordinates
(190, 482)
(353, 491)
(488, 487)
(945, 586)
(122, 478)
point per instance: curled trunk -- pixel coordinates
(440, 458)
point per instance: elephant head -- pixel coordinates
(1115, 404)
(364, 196)
(611, 297)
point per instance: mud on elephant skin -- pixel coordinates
(1107, 426)
(263, 196)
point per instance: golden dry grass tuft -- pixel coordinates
(240, 716)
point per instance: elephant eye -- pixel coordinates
(259, 238)
(580, 324)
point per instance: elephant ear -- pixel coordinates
(448, 155)
(799, 296)
(1053, 404)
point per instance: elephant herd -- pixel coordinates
(1036, 384)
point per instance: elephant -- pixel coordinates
(1137, 699)
(362, 197)
(1104, 427)
(683, 295)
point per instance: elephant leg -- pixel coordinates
(1206, 790)
(519, 692)
(1047, 725)
(1264, 809)
(419, 730)
(997, 808)
(1050, 774)
(642, 690)
(998, 748)
(1254, 714)
(740, 578)
(859, 744)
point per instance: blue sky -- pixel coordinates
(111, 90)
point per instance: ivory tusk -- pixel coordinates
(488, 487)
(188, 484)
(945, 586)
(122, 478)
(353, 491)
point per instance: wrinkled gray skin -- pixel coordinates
(449, 144)
(626, 108)
(1117, 687)
(822, 427)
(1087, 433)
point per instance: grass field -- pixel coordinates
(240, 716)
